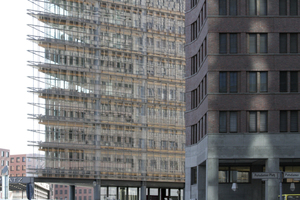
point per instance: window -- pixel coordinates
(66, 191)
(293, 8)
(80, 191)
(12, 160)
(257, 7)
(197, 59)
(288, 39)
(258, 121)
(231, 85)
(224, 4)
(258, 82)
(198, 130)
(198, 94)
(18, 159)
(193, 175)
(193, 3)
(12, 168)
(18, 167)
(174, 165)
(7, 154)
(153, 164)
(164, 144)
(258, 43)
(2, 153)
(288, 124)
(23, 159)
(237, 174)
(224, 40)
(194, 133)
(90, 191)
(288, 85)
(23, 167)
(194, 31)
(194, 64)
(151, 144)
(233, 121)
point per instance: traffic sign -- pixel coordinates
(291, 175)
(265, 175)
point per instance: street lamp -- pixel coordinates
(234, 186)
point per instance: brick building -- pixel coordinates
(61, 192)
(4, 158)
(242, 89)
(18, 165)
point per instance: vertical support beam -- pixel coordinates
(272, 185)
(256, 185)
(201, 182)
(159, 193)
(212, 179)
(163, 193)
(71, 192)
(97, 189)
(143, 191)
(148, 193)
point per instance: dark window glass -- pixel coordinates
(294, 81)
(233, 43)
(223, 43)
(283, 121)
(223, 82)
(263, 121)
(223, 122)
(293, 43)
(233, 82)
(263, 7)
(263, 81)
(222, 7)
(283, 43)
(232, 7)
(282, 7)
(293, 7)
(253, 43)
(294, 121)
(283, 82)
(193, 175)
(233, 122)
(263, 43)
(253, 121)
(252, 7)
(252, 82)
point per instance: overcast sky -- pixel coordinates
(14, 81)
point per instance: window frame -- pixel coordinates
(257, 49)
(257, 123)
(257, 85)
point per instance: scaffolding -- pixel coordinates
(109, 81)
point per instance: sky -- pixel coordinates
(14, 96)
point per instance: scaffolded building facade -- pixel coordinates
(109, 76)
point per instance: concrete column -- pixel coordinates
(212, 179)
(97, 189)
(143, 191)
(71, 192)
(201, 182)
(272, 185)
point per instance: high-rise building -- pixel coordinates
(109, 76)
(242, 91)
